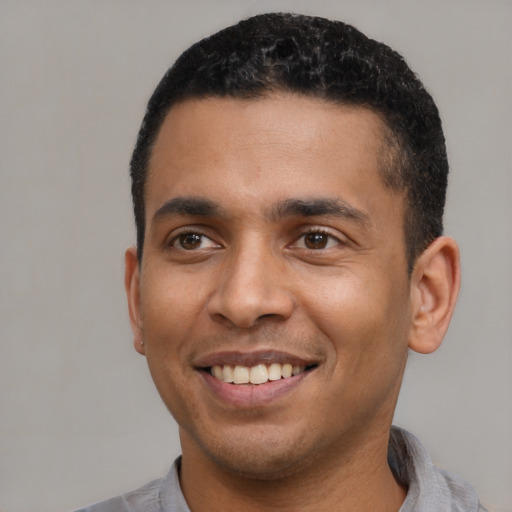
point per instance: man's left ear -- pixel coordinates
(435, 284)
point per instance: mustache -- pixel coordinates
(268, 344)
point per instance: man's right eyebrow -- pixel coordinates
(193, 206)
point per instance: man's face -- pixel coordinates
(271, 240)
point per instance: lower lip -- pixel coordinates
(252, 395)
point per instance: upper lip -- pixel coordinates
(251, 359)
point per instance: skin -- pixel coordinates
(252, 283)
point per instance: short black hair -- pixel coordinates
(317, 57)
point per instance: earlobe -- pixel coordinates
(435, 284)
(132, 286)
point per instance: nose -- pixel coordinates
(252, 286)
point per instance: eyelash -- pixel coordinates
(319, 231)
(172, 243)
(175, 239)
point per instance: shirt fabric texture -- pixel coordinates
(430, 489)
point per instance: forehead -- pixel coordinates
(266, 148)
(286, 117)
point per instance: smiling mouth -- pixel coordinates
(258, 374)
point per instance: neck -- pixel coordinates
(355, 480)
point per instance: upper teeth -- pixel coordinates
(258, 374)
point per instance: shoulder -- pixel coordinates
(430, 489)
(159, 495)
(144, 498)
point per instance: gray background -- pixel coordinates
(80, 420)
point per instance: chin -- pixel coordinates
(266, 458)
(265, 466)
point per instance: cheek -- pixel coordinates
(364, 316)
(364, 323)
(169, 319)
(172, 304)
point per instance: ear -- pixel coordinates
(132, 286)
(435, 284)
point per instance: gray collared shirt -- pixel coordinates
(430, 489)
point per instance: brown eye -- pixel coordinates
(316, 240)
(190, 241)
(193, 241)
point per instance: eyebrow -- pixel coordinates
(194, 206)
(317, 207)
(294, 207)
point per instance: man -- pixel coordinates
(289, 182)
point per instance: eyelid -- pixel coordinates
(339, 237)
(184, 230)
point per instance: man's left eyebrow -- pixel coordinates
(317, 207)
(194, 206)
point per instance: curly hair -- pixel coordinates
(282, 52)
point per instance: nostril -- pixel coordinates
(267, 315)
